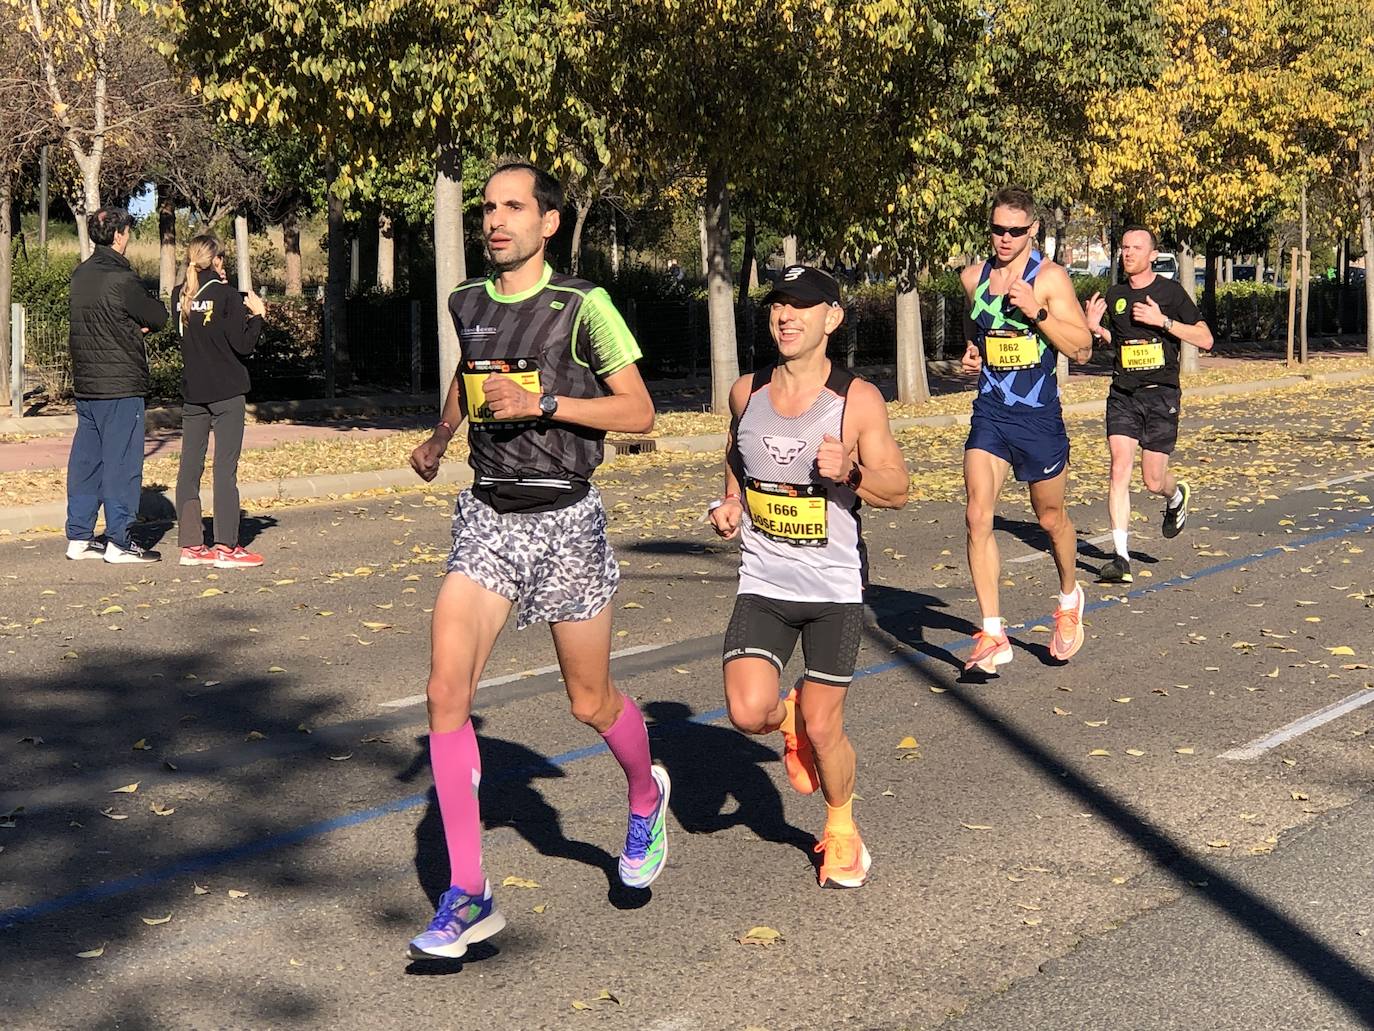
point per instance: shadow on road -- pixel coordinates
(1320, 962)
(711, 765)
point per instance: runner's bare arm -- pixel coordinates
(869, 445)
(425, 459)
(972, 361)
(1093, 309)
(726, 516)
(628, 408)
(1196, 333)
(1065, 328)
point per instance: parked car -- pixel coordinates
(1165, 265)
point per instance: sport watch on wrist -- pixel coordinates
(854, 478)
(1041, 315)
(1168, 324)
(548, 405)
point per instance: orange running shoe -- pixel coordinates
(989, 652)
(846, 860)
(1068, 630)
(797, 757)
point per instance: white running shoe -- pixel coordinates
(77, 550)
(132, 554)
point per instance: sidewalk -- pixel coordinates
(50, 453)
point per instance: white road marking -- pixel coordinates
(417, 699)
(1339, 479)
(1034, 555)
(1261, 745)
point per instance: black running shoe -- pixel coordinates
(1117, 571)
(1174, 518)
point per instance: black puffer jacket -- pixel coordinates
(110, 310)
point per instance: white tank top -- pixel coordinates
(800, 537)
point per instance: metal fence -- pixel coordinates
(391, 340)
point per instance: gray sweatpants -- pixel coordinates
(225, 418)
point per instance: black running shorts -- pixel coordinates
(765, 628)
(1150, 415)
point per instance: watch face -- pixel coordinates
(548, 404)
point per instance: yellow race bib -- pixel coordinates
(789, 513)
(1012, 349)
(475, 372)
(1142, 355)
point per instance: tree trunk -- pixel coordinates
(1187, 270)
(705, 256)
(719, 296)
(450, 262)
(583, 209)
(1261, 260)
(386, 253)
(1209, 287)
(913, 388)
(355, 262)
(243, 259)
(746, 264)
(789, 250)
(291, 247)
(167, 240)
(1305, 270)
(89, 202)
(42, 211)
(6, 282)
(339, 372)
(615, 243)
(1365, 193)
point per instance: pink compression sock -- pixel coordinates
(628, 739)
(457, 772)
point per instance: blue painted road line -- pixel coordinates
(247, 850)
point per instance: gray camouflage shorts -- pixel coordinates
(554, 566)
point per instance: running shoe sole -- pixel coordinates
(665, 785)
(91, 550)
(197, 561)
(231, 564)
(1177, 527)
(865, 862)
(118, 556)
(478, 932)
(989, 665)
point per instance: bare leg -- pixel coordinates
(1047, 499)
(1119, 494)
(822, 709)
(984, 475)
(1159, 478)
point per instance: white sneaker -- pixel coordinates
(133, 553)
(77, 550)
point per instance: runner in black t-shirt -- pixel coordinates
(1150, 319)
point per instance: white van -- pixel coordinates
(1165, 265)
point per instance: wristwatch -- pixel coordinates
(548, 404)
(1168, 324)
(1041, 315)
(854, 478)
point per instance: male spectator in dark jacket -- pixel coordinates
(110, 313)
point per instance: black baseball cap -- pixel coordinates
(805, 284)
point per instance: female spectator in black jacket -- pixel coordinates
(219, 329)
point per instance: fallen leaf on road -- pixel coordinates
(1094, 723)
(976, 826)
(376, 626)
(540, 908)
(255, 735)
(153, 921)
(112, 610)
(1099, 752)
(1342, 649)
(519, 882)
(1184, 751)
(341, 758)
(127, 789)
(936, 690)
(234, 893)
(1134, 751)
(1061, 712)
(158, 809)
(199, 890)
(1219, 843)
(1298, 796)
(111, 814)
(606, 996)
(578, 1004)
(31, 740)
(1123, 701)
(275, 669)
(908, 742)
(141, 745)
(632, 605)
(760, 936)
(210, 592)
(92, 953)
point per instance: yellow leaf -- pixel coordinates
(936, 690)
(1123, 701)
(275, 669)
(376, 626)
(976, 826)
(141, 745)
(341, 758)
(540, 908)
(158, 809)
(1099, 752)
(111, 610)
(1061, 712)
(760, 936)
(153, 921)
(92, 953)
(908, 742)
(519, 882)
(210, 592)
(578, 1004)
(127, 789)
(1134, 751)
(1095, 723)
(234, 893)
(1186, 750)
(632, 605)
(1343, 649)
(201, 891)
(605, 996)
(1219, 843)
(255, 735)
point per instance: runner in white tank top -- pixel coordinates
(809, 443)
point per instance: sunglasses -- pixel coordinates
(1016, 232)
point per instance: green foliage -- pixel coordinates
(43, 286)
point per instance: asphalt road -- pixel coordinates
(283, 817)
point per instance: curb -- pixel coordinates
(161, 505)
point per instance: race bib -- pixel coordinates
(1012, 349)
(788, 513)
(475, 372)
(1142, 355)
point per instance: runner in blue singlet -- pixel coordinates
(1022, 315)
